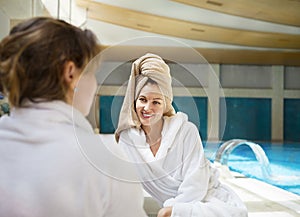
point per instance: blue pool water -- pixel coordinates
(284, 163)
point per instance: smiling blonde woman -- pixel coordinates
(167, 149)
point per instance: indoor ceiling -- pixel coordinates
(179, 19)
(223, 31)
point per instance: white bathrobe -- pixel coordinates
(179, 175)
(43, 171)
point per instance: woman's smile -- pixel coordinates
(146, 115)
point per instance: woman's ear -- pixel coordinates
(71, 75)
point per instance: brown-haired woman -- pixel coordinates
(43, 172)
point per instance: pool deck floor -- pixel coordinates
(264, 200)
(261, 199)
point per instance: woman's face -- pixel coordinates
(150, 105)
(85, 92)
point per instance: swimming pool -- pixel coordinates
(284, 163)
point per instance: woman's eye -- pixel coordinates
(156, 103)
(142, 99)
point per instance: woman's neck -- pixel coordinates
(153, 132)
(153, 135)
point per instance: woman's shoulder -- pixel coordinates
(131, 130)
(183, 119)
(178, 123)
(132, 133)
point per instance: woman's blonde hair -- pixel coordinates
(33, 55)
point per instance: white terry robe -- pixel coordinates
(43, 172)
(179, 175)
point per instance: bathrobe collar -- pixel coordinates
(54, 111)
(170, 129)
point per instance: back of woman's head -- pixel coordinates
(33, 55)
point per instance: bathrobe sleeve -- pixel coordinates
(195, 173)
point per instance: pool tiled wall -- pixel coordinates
(292, 120)
(258, 103)
(194, 107)
(247, 118)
